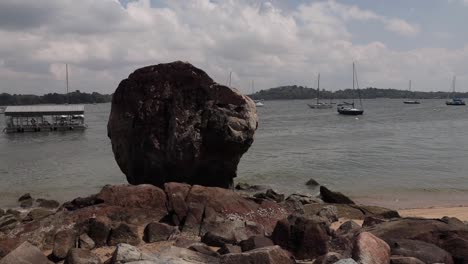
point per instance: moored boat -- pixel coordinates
(411, 101)
(454, 101)
(350, 108)
(318, 104)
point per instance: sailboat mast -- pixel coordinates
(453, 83)
(253, 90)
(353, 81)
(318, 88)
(66, 73)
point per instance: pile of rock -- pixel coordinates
(195, 224)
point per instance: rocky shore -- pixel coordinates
(178, 137)
(181, 223)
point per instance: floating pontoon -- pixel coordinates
(35, 118)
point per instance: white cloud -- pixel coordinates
(104, 41)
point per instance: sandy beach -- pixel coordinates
(460, 212)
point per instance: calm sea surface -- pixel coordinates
(395, 155)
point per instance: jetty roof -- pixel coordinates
(39, 110)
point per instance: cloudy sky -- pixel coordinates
(276, 42)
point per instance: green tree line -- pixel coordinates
(75, 97)
(301, 92)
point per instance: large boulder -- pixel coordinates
(304, 237)
(370, 249)
(172, 122)
(428, 253)
(448, 235)
(265, 255)
(25, 254)
(81, 256)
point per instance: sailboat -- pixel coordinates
(411, 101)
(318, 104)
(455, 100)
(258, 103)
(350, 108)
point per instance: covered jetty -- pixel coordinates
(36, 118)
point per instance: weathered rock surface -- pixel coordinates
(370, 249)
(406, 260)
(26, 203)
(125, 253)
(155, 232)
(306, 238)
(428, 253)
(312, 183)
(329, 258)
(99, 232)
(352, 211)
(204, 209)
(172, 123)
(37, 213)
(348, 226)
(346, 261)
(256, 242)
(266, 255)
(228, 248)
(25, 254)
(270, 194)
(124, 233)
(203, 249)
(85, 242)
(24, 197)
(81, 256)
(334, 197)
(63, 242)
(175, 255)
(432, 231)
(7, 221)
(50, 204)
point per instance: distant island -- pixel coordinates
(301, 92)
(75, 97)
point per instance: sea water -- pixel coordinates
(394, 155)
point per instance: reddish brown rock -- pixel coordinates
(405, 260)
(266, 255)
(256, 242)
(306, 238)
(432, 231)
(458, 248)
(172, 122)
(352, 211)
(124, 233)
(81, 256)
(334, 197)
(348, 226)
(139, 196)
(25, 254)
(155, 232)
(228, 248)
(428, 253)
(329, 258)
(63, 242)
(99, 232)
(370, 249)
(371, 221)
(205, 206)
